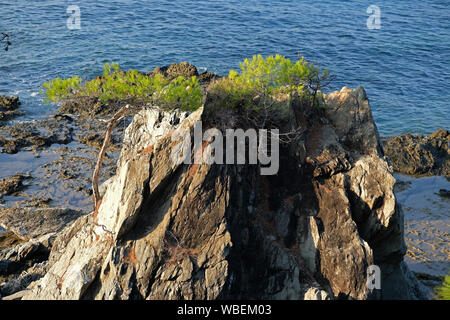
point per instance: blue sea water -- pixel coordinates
(404, 65)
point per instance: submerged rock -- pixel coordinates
(420, 155)
(168, 230)
(444, 193)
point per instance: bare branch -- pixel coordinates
(111, 124)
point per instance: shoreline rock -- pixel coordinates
(8, 107)
(25, 247)
(8, 239)
(34, 135)
(420, 155)
(12, 185)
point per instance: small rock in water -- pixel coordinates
(401, 186)
(444, 193)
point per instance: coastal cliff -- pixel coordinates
(167, 230)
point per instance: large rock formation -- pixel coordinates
(166, 230)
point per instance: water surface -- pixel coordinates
(404, 66)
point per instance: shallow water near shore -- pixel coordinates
(403, 66)
(427, 223)
(61, 173)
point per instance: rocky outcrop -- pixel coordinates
(420, 155)
(8, 239)
(92, 107)
(14, 289)
(183, 69)
(23, 263)
(86, 107)
(168, 230)
(9, 103)
(8, 107)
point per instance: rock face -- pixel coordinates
(420, 155)
(166, 230)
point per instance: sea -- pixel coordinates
(399, 51)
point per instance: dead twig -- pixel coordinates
(111, 124)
